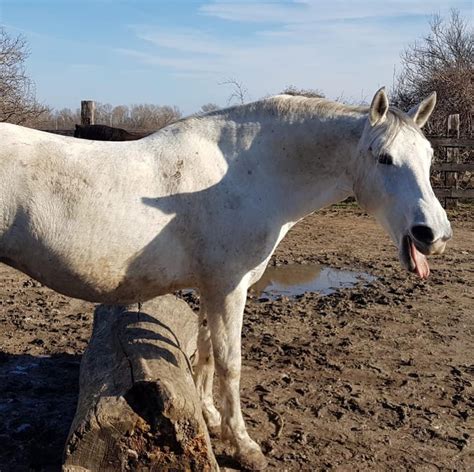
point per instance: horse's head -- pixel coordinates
(392, 181)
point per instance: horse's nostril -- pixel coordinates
(422, 233)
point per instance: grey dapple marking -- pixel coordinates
(203, 203)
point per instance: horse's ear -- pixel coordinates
(378, 107)
(422, 112)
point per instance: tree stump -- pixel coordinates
(138, 408)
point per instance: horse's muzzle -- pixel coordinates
(423, 239)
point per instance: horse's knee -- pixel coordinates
(227, 371)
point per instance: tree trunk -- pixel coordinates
(138, 408)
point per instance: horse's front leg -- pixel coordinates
(225, 308)
(204, 373)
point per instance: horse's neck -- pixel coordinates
(309, 163)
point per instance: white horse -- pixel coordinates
(203, 203)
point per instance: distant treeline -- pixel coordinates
(143, 116)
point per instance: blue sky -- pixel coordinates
(178, 52)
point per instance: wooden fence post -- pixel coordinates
(87, 112)
(471, 123)
(452, 155)
(454, 125)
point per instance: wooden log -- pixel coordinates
(138, 408)
(87, 112)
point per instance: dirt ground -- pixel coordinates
(374, 378)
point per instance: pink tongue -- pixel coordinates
(421, 264)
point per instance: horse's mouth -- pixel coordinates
(413, 259)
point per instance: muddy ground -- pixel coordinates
(371, 378)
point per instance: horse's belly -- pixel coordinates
(112, 273)
(101, 285)
(103, 261)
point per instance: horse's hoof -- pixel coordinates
(252, 460)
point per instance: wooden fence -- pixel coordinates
(453, 169)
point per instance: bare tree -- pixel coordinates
(103, 114)
(442, 61)
(239, 91)
(120, 115)
(67, 118)
(17, 93)
(152, 117)
(63, 119)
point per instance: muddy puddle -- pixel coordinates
(296, 279)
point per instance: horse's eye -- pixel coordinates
(385, 159)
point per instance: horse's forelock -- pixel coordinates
(399, 118)
(384, 133)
